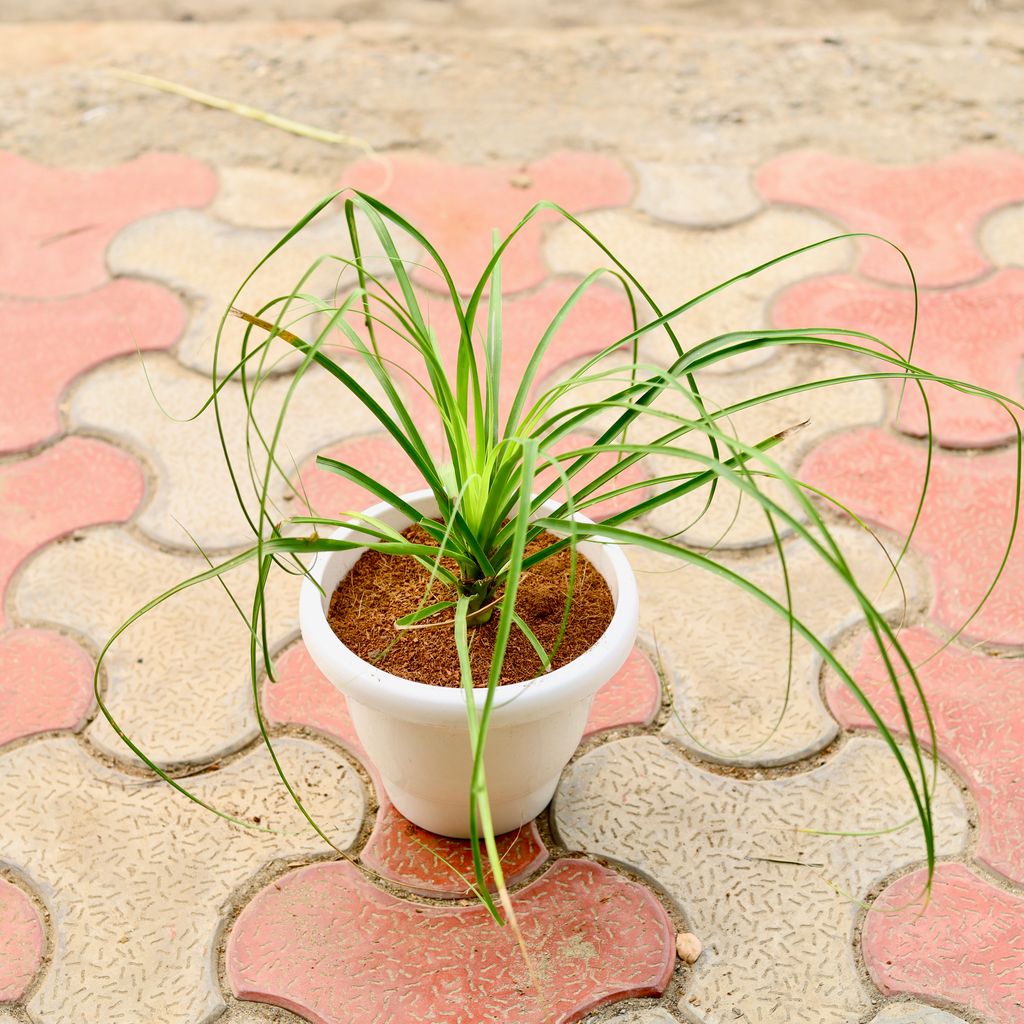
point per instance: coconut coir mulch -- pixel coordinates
(380, 588)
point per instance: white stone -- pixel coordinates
(697, 195)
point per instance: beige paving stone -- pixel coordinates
(915, 1013)
(193, 490)
(258, 197)
(207, 260)
(678, 264)
(778, 938)
(727, 653)
(1002, 236)
(178, 679)
(730, 522)
(696, 195)
(137, 878)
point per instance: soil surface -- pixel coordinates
(380, 589)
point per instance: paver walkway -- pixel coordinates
(122, 902)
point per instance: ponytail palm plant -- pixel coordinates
(506, 474)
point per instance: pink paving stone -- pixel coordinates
(456, 206)
(964, 527)
(327, 944)
(966, 946)
(45, 344)
(930, 210)
(21, 942)
(977, 703)
(974, 334)
(59, 222)
(45, 683)
(78, 482)
(399, 850)
(631, 697)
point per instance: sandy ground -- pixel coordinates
(893, 82)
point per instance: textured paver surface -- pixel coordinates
(729, 785)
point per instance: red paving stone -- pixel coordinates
(78, 482)
(45, 683)
(21, 942)
(433, 865)
(59, 222)
(631, 697)
(399, 850)
(327, 944)
(966, 946)
(974, 334)
(930, 210)
(457, 206)
(977, 703)
(44, 345)
(964, 527)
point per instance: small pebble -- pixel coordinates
(689, 947)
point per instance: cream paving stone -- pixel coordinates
(260, 197)
(193, 490)
(778, 937)
(696, 195)
(137, 879)
(1002, 236)
(726, 652)
(818, 413)
(915, 1013)
(677, 264)
(207, 260)
(178, 679)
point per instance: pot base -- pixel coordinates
(452, 820)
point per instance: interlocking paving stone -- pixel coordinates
(727, 653)
(974, 334)
(399, 850)
(259, 197)
(137, 878)
(45, 683)
(178, 679)
(977, 703)
(59, 221)
(193, 490)
(655, 1015)
(697, 195)
(678, 264)
(817, 413)
(1002, 236)
(22, 941)
(326, 943)
(457, 206)
(777, 937)
(930, 210)
(44, 345)
(964, 527)
(77, 482)
(966, 946)
(208, 260)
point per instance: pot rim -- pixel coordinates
(442, 705)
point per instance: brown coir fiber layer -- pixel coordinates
(379, 589)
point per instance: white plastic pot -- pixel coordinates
(416, 734)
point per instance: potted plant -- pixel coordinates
(490, 580)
